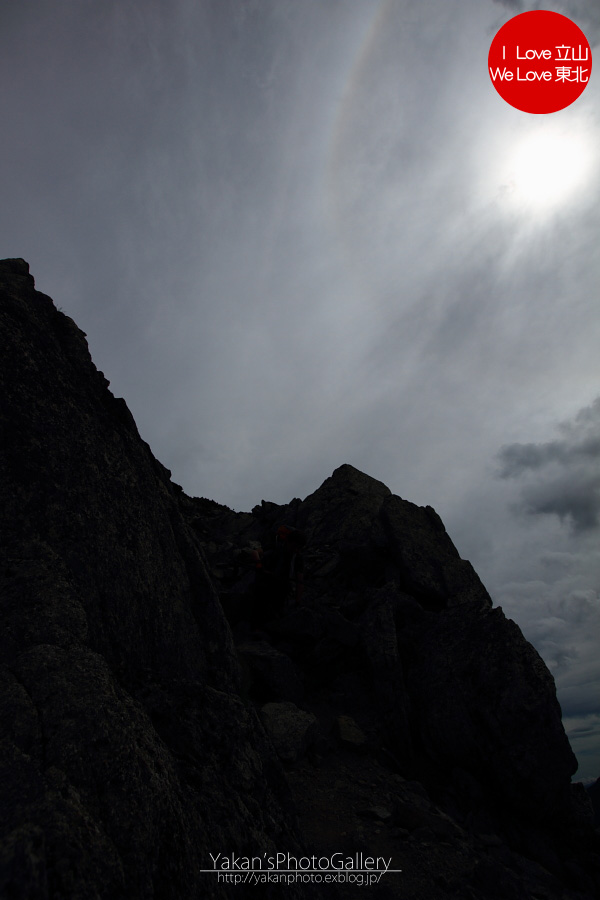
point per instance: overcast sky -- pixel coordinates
(299, 234)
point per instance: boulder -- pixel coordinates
(273, 674)
(291, 730)
(350, 735)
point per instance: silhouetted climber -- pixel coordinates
(277, 571)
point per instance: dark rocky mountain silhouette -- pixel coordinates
(146, 725)
(594, 795)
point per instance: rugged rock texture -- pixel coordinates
(144, 724)
(594, 795)
(127, 753)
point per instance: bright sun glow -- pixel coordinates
(547, 169)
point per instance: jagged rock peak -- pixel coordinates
(15, 272)
(347, 477)
(16, 266)
(393, 539)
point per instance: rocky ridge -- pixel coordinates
(435, 724)
(146, 725)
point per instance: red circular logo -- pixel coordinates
(540, 62)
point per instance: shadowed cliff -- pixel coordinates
(127, 753)
(146, 724)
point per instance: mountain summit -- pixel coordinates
(154, 738)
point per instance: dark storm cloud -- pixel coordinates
(567, 471)
(574, 498)
(517, 458)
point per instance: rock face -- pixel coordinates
(127, 754)
(145, 727)
(594, 795)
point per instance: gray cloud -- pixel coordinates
(584, 735)
(551, 583)
(585, 14)
(582, 12)
(510, 4)
(518, 458)
(575, 498)
(567, 482)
